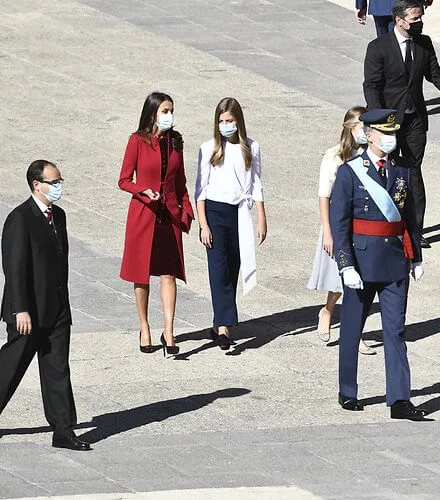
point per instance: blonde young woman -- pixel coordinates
(325, 274)
(228, 183)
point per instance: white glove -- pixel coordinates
(352, 279)
(417, 270)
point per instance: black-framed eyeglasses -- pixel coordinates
(53, 183)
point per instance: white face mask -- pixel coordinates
(165, 122)
(227, 129)
(388, 143)
(360, 137)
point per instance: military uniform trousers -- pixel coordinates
(52, 348)
(223, 261)
(356, 305)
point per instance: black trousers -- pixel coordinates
(411, 140)
(52, 347)
(223, 261)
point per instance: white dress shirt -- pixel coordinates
(40, 205)
(402, 45)
(231, 183)
(43, 207)
(374, 158)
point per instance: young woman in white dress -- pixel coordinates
(228, 184)
(325, 274)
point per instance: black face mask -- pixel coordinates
(415, 28)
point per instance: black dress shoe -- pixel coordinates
(223, 342)
(406, 410)
(351, 404)
(213, 334)
(424, 243)
(70, 442)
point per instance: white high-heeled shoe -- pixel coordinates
(366, 349)
(323, 335)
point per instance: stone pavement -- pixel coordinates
(260, 493)
(74, 77)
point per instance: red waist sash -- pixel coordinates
(385, 228)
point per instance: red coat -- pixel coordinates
(143, 161)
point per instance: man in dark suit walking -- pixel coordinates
(376, 241)
(394, 69)
(35, 302)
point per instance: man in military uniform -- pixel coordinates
(376, 242)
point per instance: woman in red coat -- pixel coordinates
(159, 211)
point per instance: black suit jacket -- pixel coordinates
(386, 84)
(35, 265)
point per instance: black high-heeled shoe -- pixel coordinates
(168, 349)
(147, 349)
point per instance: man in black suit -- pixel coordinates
(395, 65)
(35, 302)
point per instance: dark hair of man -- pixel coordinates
(149, 113)
(402, 6)
(35, 171)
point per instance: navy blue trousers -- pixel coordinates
(223, 261)
(383, 24)
(354, 311)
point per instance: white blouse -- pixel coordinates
(232, 183)
(229, 182)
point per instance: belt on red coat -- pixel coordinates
(385, 228)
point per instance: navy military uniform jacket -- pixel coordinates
(377, 7)
(376, 258)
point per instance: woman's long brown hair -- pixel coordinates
(149, 114)
(231, 105)
(347, 144)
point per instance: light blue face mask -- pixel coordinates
(55, 192)
(165, 122)
(360, 137)
(227, 129)
(388, 143)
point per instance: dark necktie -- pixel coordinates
(408, 66)
(382, 172)
(408, 57)
(49, 215)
